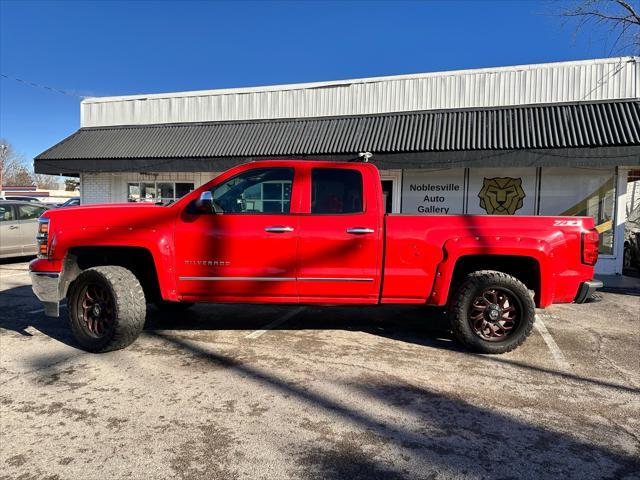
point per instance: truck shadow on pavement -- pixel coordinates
(435, 432)
(421, 326)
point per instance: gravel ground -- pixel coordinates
(355, 393)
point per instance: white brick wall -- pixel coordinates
(112, 187)
(95, 188)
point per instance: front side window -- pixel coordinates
(29, 212)
(335, 191)
(154, 192)
(260, 190)
(6, 213)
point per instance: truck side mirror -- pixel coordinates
(204, 204)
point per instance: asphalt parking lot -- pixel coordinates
(275, 392)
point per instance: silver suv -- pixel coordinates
(18, 227)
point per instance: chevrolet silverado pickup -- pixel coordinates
(306, 232)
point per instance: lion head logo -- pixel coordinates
(501, 195)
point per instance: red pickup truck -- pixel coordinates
(306, 232)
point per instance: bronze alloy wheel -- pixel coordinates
(96, 310)
(495, 314)
(107, 308)
(491, 312)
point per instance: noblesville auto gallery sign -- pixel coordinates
(439, 192)
(511, 191)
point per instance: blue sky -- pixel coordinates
(114, 48)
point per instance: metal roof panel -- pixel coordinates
(526, 127)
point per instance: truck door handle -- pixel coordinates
(278, 229)
(359, 230)
(13, 227)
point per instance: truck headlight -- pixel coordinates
(43, 238)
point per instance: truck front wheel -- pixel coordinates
(107, 308)
(492, 312)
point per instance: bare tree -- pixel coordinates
(16, 171)
(13, 168)
(619, 18)
(47, 182)
(20, 177)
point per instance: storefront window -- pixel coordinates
(157, 191)
(581, 192)
(148, 192)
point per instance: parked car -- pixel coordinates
(72, 202)
(19, 198)
(307, 232)
(18, 227)
(632, 240)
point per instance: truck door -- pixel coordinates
(340, 238)
(246, 252)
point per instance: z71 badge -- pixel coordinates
(567, 223)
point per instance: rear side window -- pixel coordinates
(6, 213)
(335, 191)
(29, 212)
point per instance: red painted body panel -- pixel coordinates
(334, 265)
(235, 246)
(404, 259)
(422, 252)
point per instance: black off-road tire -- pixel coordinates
(460, 307)
(173, 307)
(127, 304)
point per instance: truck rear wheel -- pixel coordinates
(492, 312)
(107, 308)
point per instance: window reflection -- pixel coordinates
(153, 192)
(586, 192)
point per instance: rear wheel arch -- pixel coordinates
(522, 267)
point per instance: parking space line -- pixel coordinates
(275, 323)
(553, 346)
(40, 310)
(2, 275)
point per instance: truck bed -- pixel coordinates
(421, 252)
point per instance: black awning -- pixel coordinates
(419, 136)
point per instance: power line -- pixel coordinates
(44, 87)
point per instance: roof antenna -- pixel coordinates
(365, 156)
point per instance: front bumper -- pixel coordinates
(587, 289)
(46, 286)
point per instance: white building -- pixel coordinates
(563, 136)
